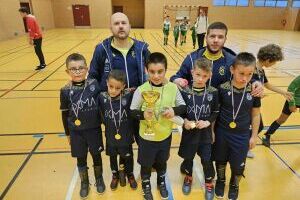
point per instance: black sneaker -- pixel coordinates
(266, 141)
(147, 194)
(40, 67)
(163, 190)
(100, 186)
(114, 182)
(233, 192)
(132, 182)
(122, 178)
(219, 189)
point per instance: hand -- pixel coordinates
(257, 89)
(30, 41)
(188, 124)
(132, 89)
(181, 82)
(69, 140)
(168, 113)
(148, 114)
(202, 124)
(288, 95)
(252, 142)
(293, 108)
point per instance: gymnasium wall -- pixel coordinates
(134, 9)
(235, 17)
(100, 12)
(10, 19)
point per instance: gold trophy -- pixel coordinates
(150, 97)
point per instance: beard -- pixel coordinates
(213, 51)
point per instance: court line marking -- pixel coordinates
(11, 89)
(169, 187)
(72, 184)
(283, 161)
(199, 173)
(20, 169)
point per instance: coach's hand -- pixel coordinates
(181, 82)
(252, 142)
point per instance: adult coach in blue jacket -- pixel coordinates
(124, 53)
(120, 52)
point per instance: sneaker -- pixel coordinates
(163, 190)
(250, 154)
(209, 191)
(219, 189)
(233, 192)
(187, 185)
(40, 67)
(147, 194)
(122, 178)
(266, 142)
(114, 182)
(132, 182)
(100, 186)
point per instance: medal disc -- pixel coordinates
(232, 124)
(77, 122)
(118, 136)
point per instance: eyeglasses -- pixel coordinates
(77, 70)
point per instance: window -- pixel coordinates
(296, 4)
(242, 3)
(271, 3)
(231, 2)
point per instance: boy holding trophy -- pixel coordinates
(154, 104)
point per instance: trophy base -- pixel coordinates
(149, 133)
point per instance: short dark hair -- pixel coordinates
(157, 57)
(24, 10)
(245, 58)
(217, 25)
(75, 57)
(203, 63)
(117, 74)
(271, 52)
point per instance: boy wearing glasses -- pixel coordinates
(81, 120)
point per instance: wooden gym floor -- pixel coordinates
(35, 161)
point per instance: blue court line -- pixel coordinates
(61, 135)
(168, 183)
(38, 136)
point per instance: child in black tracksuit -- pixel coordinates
(115, 106)
(81, 120)
(202, 110)
(237, 124)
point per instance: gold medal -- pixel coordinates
(117, 136)
(77, 122)
(193, 125)
(232, 125)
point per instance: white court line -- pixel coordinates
(199, 173)
(72, 185)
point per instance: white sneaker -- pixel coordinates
(250, 154)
